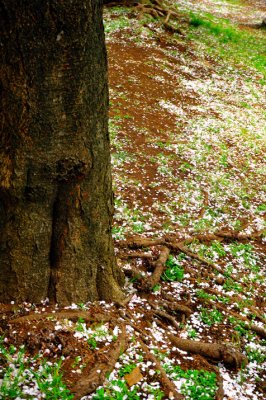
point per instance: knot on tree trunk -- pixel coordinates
(69, 169)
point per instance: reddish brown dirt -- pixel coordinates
(138, 82)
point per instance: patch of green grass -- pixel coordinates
(20, 373)
(230, 42)
(222, 29)
(117, 23)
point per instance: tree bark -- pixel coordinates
(55, 179)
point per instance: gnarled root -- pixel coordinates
(89, 383)
(168, 386)
(159, 268)
(214, 351)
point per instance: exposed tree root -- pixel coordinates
(181, 246)
(158, 270)
(260, 331)
(73, 315)
(253, 327)
(237, 298)
(135, 255)
(213, 351)
(239, 235)
(230, 355)
(89, 383)
(133, 273)
(175, 307)
(168, 386)
(185, 296)
(159, 10)
(165, 315)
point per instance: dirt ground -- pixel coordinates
(186, 184)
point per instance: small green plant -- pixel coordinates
(92, 343)
(246, 252)
(76, 361)
(93, 335)
(204, 295)
(20, 373)
(223, 160)
(185, 167)
(161, 355)
(82, 306)
(156, 392)
(240, 328)
(261, 208)
(138, 227)
(116, 390)
(49, 380)
(118, 232)
(192, 333)
(174, 271)
(126, 369)
(216, 250)
(223, 299)
(256, 353)
(210, 317)
(156, 288)
(229, 285)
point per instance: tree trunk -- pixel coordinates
(55, 181)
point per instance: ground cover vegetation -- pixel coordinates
(187, 129)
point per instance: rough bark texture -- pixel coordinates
(55, 181)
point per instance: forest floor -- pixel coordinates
(187, 127)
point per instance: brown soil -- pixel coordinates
(143, 76)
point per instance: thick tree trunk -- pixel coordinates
(55, 181)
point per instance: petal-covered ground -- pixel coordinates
(187, 128)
